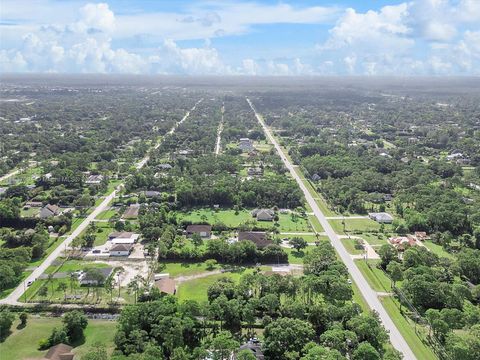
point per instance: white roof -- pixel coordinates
(130, 240)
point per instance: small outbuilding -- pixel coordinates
(166, 286)
(381, 217)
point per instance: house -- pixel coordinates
(90, 277)
(131, 212)
(255, 171)
(49, 210)
(421, 235)
(381, 217)
(121, 234)
(59, 352)
(166, 286)
(94, 180)
(151, 193)
(263, 214)
(254, 347)
(205, 231)
(34, 204)
(164, 167)
(121, 249)
(246, 144)
(316, 177)
(387, 197)
(125, 240)
(259, 238)
(402, 242)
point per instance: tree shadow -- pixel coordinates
(4, 336)
(298, 254)
(21, 326)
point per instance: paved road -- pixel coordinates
(219, 133)
(13, 297)
(142, 162)
(369, 295)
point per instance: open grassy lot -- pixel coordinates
(351, 246)
(375, 277)
(296, 257)
(107, 214)
(376, 239)
(74, 265)
(103, 229)
(438, 249)
(23, 343)
(196, 289)
(406, 328)
(286, 222)
(184, 269)
(356, 225)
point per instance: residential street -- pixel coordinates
(13, 297)
(370, 296)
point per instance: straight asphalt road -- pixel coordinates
(14, 296)
(368, 293)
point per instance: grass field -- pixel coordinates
(376, 239)
(296, 257)
(355, 225)
(197, 289)
(229, 218)
(350, 245)
(438, 249)
(178, 269)
(107, 214)
(375, 277)
(406, 328)
(23, 343)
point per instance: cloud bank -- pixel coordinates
(420, 37)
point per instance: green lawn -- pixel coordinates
(374, 276)
(438, 249)
(23, 343)
(178, 269)
(351, 246)
(406, 328)
(315, 223)
(101, 233)
(376, 239)
(296, 257)
(355, 225)
(106, 215)
(228, 217)
(197, 289)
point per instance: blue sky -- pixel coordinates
(302, 37)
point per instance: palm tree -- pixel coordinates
(119, 270)
(109, 286)
(50, 280)
(134, 286)
(73, 282)
(62, 286)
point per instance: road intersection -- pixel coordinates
(14, 296)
